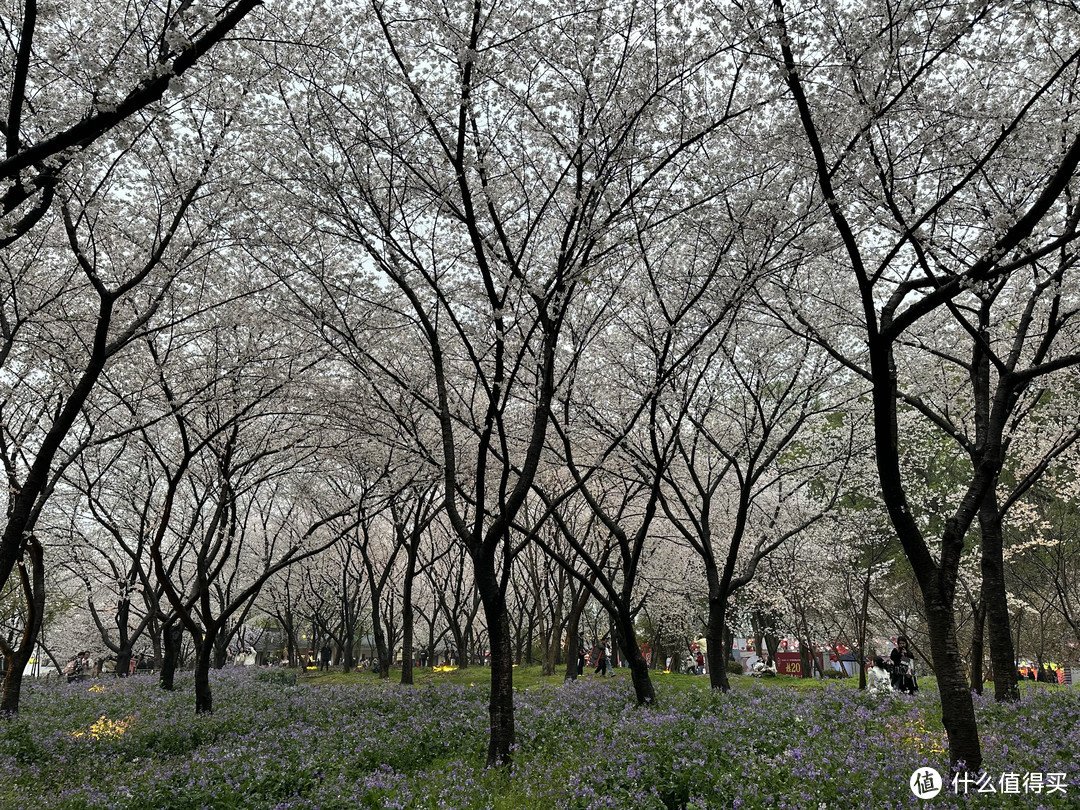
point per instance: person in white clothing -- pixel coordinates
(878, 678)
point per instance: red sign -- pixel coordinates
(789, 663)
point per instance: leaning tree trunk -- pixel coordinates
(17, 660)
(16, 664)
(1002, 655)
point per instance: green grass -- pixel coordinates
(527, 677)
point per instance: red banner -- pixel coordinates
(789, 663)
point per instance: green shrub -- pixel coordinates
(834, 674)
(734, 667)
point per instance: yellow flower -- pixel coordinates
(104, 728)
(97, 688)
(917, 737)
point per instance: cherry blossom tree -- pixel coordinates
(489, 177)
(934, 223)
(760, 461)
(74, 75)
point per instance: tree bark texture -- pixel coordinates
(978, 630)
(172, 635)
(957, 706)
(33, 592)
(1002, 654)
(501, 701)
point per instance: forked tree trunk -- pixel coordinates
(16, 660)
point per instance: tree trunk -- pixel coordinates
(155, 642)
(957, 707)
(978, 622)
(204, 654)
(1002, 654)
(644, 691)
(465, 643)
(290, 639)
(348, 656)
(573, 625)
(501, 701)
(123, 661)
(863, 621)
(639, 667)
(459, 645)
(33, 591)
(221, 650)
(16, 660)
(381, 651)
(407, 634)
(172, 634)
(716, 648)
(16, 663)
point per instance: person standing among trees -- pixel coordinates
(581, 653)
(326, 654)
(896, 656)
(602, 657)
(903, 672)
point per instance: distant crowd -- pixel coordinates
(81, 666)
(1044, 674)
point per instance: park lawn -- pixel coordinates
(349, 741)
(526, 677)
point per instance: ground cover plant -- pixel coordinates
(273, 743)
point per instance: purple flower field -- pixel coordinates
(126, 744)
